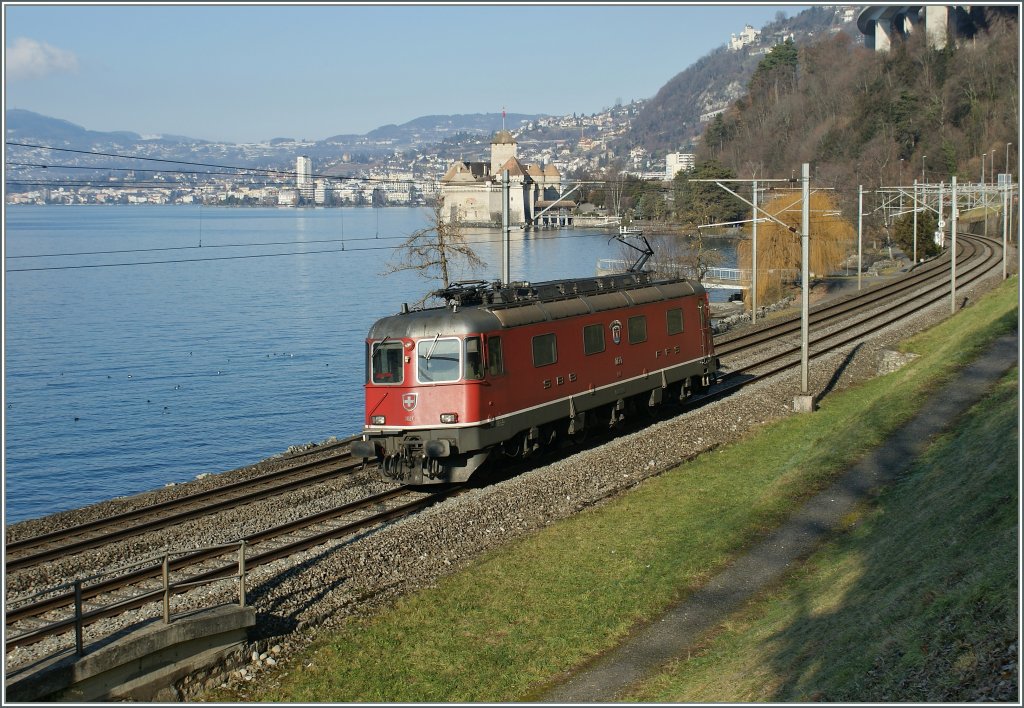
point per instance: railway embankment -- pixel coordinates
(541, 589)
(343, 585)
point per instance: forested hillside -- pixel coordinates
(877, 118)
(671, 119)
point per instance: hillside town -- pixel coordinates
(397, 177)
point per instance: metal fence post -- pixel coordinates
(241, 573)
(167, 589)
(78, 619)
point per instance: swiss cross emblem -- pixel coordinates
(409, 401)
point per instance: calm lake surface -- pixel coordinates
(173, 341)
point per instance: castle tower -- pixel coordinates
(503, 147)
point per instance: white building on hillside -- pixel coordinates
(676, 162)
(748, 36)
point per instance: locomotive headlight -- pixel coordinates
(449, 418)
(376, 420)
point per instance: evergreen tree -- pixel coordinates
(705, 202)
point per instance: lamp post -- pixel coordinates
(992, 166)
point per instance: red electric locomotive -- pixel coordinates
(505, 369)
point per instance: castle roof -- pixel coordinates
(503, 137)
(515, 168)
(460, 171)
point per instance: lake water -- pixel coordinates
(208, 338)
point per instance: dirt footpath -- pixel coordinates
(607, 678)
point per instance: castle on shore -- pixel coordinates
(472, 191)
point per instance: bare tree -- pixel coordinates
(684, 256)
(436, 250)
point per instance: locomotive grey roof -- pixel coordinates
(482, 307)
(427, 323)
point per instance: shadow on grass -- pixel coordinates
(838, 375)
(931, 614)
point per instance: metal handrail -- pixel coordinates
(168, 589)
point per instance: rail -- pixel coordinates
(82, 617)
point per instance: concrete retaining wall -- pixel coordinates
(144, 665)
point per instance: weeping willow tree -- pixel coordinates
(436, 251)
(778, 248)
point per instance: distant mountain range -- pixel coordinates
(27, 127)
(24, 125)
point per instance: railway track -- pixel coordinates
(842, 323)
(33, 618)
(32, 621)
(31, 551)
(831, 312)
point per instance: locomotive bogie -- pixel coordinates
(448, 387)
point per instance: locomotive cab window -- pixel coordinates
(386, 362)
(637, 329)
(495, 362)
(675, 320)
(474, 364)
(545, 350)
(437, 360)
(593, 339)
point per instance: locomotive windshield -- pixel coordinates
(387, 362)
(438, 360)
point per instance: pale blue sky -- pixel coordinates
(253, 72)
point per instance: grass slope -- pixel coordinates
(917, 602)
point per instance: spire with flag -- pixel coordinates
(503, 117)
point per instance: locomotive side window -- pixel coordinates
(495, 362)
(675, 320)
(386, 363)
(474, 359)
(437, 360)
(593, 339)
(545, 350)
(637, 329)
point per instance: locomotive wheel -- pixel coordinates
(580, 436)
(513, 447)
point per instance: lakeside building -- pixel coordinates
(304, 178)
(472, 191)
